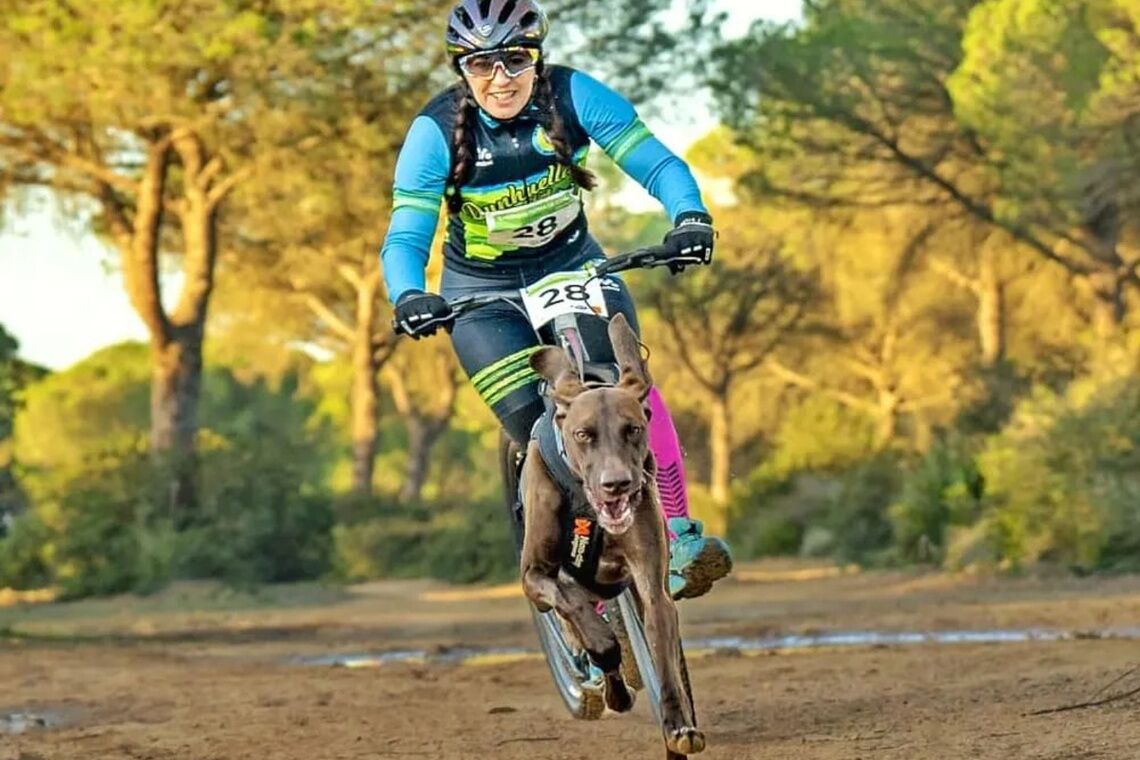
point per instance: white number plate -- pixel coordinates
(563, 293)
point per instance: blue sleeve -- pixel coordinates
(611, 121)
(421, 177)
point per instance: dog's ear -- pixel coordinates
(553, 365)
(627, 350)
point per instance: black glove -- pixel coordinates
(418, 313)
(690, 241)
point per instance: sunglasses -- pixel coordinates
(514, 60)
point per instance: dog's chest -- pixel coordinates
(584, 555)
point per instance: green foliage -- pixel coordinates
(858, 516)
(22, 564)
(99, 520)
(99, 404)
(15, 375)
(820, 434)
(1063, 480)
(800, 485)
(941, 490)
(464, 543)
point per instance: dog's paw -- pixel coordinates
(618, 697)
(685, 741)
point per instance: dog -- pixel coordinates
(604, 437)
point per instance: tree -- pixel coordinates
(155, 114)
(857, 101)
(1051, 86)
(14, 376)
(723, 323)
(893, 346)
(310, 228)
(423, 380)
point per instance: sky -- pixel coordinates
(62, 297)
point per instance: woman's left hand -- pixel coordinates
(690, 241)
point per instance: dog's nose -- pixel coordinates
(615, 482)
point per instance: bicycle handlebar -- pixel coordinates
(640, 258)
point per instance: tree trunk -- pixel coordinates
(1109, 306)
(422, 435)
(424, 426)
(178, 354)
(176, 341)
(1102, 231)
(991, 317)
(888, 417)
(720, 448)
(175, 392)
(365, 387)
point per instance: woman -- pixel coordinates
(505, 148)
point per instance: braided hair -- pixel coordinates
(463, 137)
(462, 145)
(551, 122)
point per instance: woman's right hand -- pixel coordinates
(420, 314)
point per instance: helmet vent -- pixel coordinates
(508, 9)
(465, 17)
(484, 8)
(528, 20)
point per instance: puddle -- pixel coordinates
(733, 644)
(16, 722)
(457, 656)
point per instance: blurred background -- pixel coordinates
(919, 343)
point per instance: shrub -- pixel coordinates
(942, 489)
(1063, 480)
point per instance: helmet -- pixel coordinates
(476, 25)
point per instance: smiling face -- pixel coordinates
(604, 436)
(501, 96)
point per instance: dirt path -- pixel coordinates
(194, 675)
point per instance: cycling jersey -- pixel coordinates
(519, 203)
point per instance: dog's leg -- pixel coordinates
(539, 568)
(650, 569)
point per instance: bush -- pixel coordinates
(258, 521)
(1063, 480)
(858, 515)
(22, 564)
(471, 543)
(770, 518)
(88, 533)
(943, 489)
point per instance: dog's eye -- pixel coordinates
(582, 435)
(634, 431)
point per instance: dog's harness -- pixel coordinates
(581, 541)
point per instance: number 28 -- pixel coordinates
(542, 228)
(555, 296)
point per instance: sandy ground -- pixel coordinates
(203, 674)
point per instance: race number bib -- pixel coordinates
(563, 293)
(535, 224)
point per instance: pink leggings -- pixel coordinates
(666, 450)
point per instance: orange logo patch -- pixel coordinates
(581, 527)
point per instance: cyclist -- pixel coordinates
(505, 148)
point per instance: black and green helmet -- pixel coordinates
(477, 25)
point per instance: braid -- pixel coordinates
(551, 122)
(463, 146)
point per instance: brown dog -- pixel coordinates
(604, 436)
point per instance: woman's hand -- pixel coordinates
(690, 241)
(420, 314)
